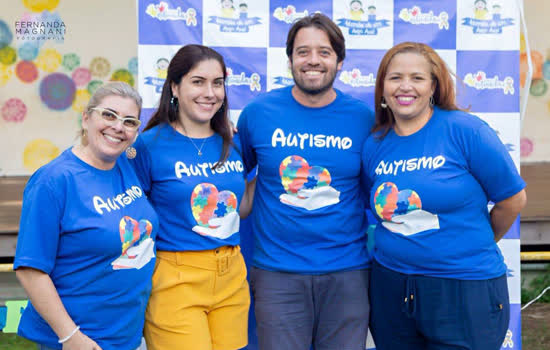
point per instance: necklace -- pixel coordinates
(199, 149)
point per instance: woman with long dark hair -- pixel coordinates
(192, 171)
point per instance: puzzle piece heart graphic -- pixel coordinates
(208, 204)
(402, 210)
(306, 186)
(132, 232)
(138, 248)
(297, 174)
(389, 201)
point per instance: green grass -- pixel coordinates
(10, 341)
(536, 286)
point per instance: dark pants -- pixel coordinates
(412, 312)
(294, 311)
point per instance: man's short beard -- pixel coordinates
(314, 92)
(317, 91)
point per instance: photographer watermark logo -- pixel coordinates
(38, 29)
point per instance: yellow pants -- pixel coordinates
(199, 301)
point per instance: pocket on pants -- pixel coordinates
(499, 317)
(498, 295)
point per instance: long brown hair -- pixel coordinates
(187, 58)
(444, 94)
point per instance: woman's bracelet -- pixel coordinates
(61, 341)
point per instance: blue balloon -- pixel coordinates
(6, 35)
(28, 51)
(133, 65)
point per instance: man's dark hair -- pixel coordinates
(322, 22)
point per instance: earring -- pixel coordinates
(383, 103)
(432, 101)
(174, 104)
(131, 152)
(84, 137)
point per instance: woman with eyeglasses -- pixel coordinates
(86, 247)
(192, 171)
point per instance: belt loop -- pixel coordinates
(223, 265)
(179, 258)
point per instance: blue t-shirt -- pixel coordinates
(93, 231)
(198, 207)
(430, 191)
(308, 214)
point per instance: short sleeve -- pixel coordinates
(248, 154)
(491, 164)
(39, 229)
(238, 148)
(142, 164)
(370, 119)
(366, 180)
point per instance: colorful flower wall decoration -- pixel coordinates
(538, 88)
(63, 81)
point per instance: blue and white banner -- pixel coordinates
(479, 41)
(283, 13)
(358, 74)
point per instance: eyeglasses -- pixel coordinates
(111, 118)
